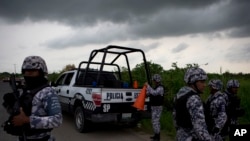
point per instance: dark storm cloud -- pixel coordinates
(99, 35)
(84, 11)
(180, 48)
(140, 18)
(217, 17)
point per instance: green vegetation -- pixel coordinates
(173, 80)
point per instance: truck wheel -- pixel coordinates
(81, 123)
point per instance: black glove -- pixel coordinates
(10, 103)
(9, 100)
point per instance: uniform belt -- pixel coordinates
(46, 138)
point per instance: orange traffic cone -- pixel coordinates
(140, 101)
(135, 84)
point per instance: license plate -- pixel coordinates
(126, 115)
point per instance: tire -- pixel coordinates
(81, 123)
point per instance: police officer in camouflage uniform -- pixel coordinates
(40, 110)
(234, 111)
(156, 96)
(188, 112)
(215, 109)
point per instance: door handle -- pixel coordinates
(67, 92)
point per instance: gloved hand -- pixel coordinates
(9, 100)
(10, 103)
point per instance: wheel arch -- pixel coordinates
(79, 100)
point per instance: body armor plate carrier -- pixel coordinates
(182, 115)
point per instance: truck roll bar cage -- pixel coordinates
(118, 51)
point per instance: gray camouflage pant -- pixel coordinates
(156, 115)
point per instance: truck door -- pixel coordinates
(63, 89)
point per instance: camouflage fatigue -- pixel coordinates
(156, 115)
(217, 109)
(158, 91)
(156, 110)
(46, 112)
(195, 109)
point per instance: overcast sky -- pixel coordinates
(64, 32)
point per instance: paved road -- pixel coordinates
(67, 132)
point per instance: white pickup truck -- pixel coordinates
(97, 95)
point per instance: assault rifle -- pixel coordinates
(11, 100)
(12, 104)
(16, 94)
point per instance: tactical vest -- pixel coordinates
(157, 100)
(25, 101)
(183, 118)
(208, 117)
